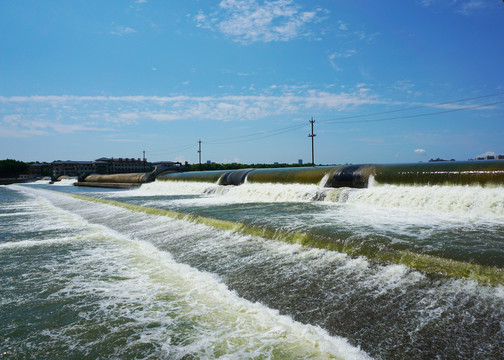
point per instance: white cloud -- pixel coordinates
(248, 21)
(342, 26)
(465, 7)
(344, 54)
(14, 126)
(420, 151)
(363, 36)
(468, 7)
(122, 30)
(403, 85)
(73, 128)
(340, 55)
(340, 101)
(22, 126)
(43, 115)
(201, 20)
(425, 3)
(335, 66)
(127, 118)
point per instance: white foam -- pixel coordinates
(238, 327)
(394, 277)
(471, 201)
(39, 182)
(65, 182)
(16, 213)
(33, 243)
(173, 188)
(128, 278)
(228, 194)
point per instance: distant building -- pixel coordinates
(122, 165)
(72, 168)
(39, 170)
(489, 157)
(104, 166)
(300, 161)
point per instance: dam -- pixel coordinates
(482, 173)
(383, 261)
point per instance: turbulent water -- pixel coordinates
(185, 270)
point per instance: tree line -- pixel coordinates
(10, 168)
(234, 166)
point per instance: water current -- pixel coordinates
(187, 270)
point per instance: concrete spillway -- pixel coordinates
(483, 173)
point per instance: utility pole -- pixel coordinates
(144, 160)
(312, 135)
(199, 153)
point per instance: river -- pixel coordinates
(195, 270)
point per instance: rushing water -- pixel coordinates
(88, 279)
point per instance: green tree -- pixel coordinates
(12, 168)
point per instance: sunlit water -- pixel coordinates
(85, 279)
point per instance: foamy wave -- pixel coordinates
(243, 193)
(65, 182)
(174, 188)
(133, 288)
(32, 243)
(470, 200)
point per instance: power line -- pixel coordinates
(342, 120)
(337, 120)
(257, 135)
(270, 133)
(235, 139)
(256, 138)
(415, 115)
(172, 150)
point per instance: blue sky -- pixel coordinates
(385, 81)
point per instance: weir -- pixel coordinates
(116, 181)
(199, 176)
(482, 173)
(423, 262)
(121, 181)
